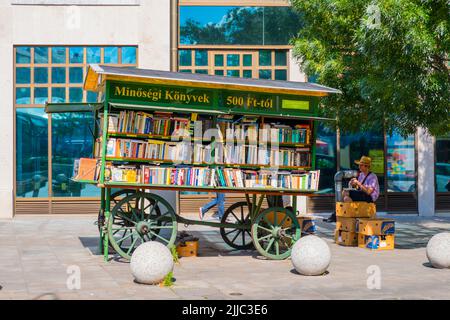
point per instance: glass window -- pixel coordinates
(326, 157)
(71, 139)
(111, 55)
(93, 55)
(233, 73)
(40, 95)
(91, 96)
(247, 60)
(371, 144)
(265, 74)
(218, 60)
(218, 72)
(58, 55)
(185, 57)
(23, 95)
(75, 94)
(58, 95)
(280, 58)
(247, 74)
(400, 159)
(201, 57)
(233, 60)
(269, 25)
(76, 55)
(75, 75)
(23, 75)
(202, 71)
(31, 153)
(58, 75)
(128, 55)
(265, 57)
(40, 75)
(186, 70)
(23, 55)
(442, 167)
(280, 75)
(40, 54)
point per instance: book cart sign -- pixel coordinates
(194, 97)
(162, 94)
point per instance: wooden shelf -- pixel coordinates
(267, 190)
(225, 165)
(169, 138)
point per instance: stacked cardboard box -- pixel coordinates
(307, 224)
(376, 234)
(357, 225)
(347, 215)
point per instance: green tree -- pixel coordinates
(389, 58)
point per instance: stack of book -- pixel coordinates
(150, 149)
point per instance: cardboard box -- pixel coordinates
(376, 226)
(307, 224)
(187, 248)
(374, 242)
(346, 224)
(344, 238)
(355, 209)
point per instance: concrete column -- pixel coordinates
(425, 173)
(7, 115)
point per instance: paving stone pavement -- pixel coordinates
(36, 252)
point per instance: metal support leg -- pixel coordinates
(107, 214)
(102, 212)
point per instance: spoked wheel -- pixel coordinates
(115, 198)
(138, 218)
(239, 214)
(274, 232)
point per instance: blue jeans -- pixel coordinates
(219, 201)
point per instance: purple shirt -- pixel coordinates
(371, 182)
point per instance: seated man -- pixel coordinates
(367, 187)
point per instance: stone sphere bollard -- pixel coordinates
(151, 262)
(311, 256)
(438, 250)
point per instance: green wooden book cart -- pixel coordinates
(134, 214)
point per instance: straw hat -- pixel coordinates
(364, 160)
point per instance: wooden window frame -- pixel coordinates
(49, 85)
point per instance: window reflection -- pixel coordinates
(443, 164)
(128, 55)
(93, 54)
(31, 153)
(23, 55)
(371, 144)
(58, 55)
(400, 159)
(40, 95)
(238, 25)
(326, 157)
(40, 75)
(71, 139)
(41, 55)
(76, 55)
(111, 55)
(23, 96)
(23, 75)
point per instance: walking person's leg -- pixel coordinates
(207, 207)
(220, 204)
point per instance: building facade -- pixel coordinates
(45, 47)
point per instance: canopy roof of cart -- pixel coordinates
(97, 75)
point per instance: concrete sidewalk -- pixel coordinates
(36, 252)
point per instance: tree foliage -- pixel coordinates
(244, 25)
(389, 58)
